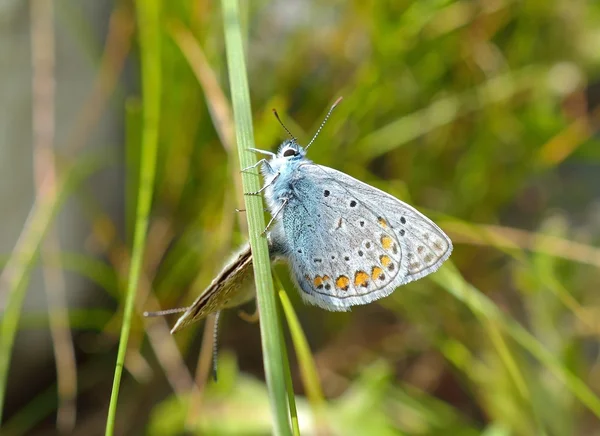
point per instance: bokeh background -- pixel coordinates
(483, 114)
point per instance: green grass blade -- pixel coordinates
(308, 369)
(133, 128)
(289, 386)
(149, 30)
(269, 320)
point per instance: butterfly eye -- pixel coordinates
(289, 152)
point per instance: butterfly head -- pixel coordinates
(288, 155)
(290, 149)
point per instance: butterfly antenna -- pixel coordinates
(165, 312)
(283, 125)
(324, 121)
(215, 347)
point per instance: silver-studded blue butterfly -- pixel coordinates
(346, 242)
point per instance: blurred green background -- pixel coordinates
(482, 114)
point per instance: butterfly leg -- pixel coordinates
(265, 161)
(258, 150)
(274, 216)
(264, 187)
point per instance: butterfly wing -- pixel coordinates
(425, 246)
(232, 287)
(229, 288)
(350, 243)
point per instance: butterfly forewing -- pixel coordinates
(361, 243)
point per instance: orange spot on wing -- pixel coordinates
(386, 242)
(342, 282)
(318, 282)
(377, 273)
(385, 260)
(383, 223)
(361, 278)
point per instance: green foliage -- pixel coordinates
(471, 111)
(150, 47)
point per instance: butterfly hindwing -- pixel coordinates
(350, 243)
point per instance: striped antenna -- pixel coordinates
(324, 121)
(283, 125)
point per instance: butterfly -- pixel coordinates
(346, 242)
